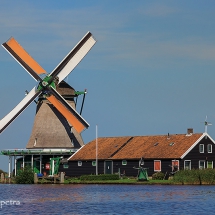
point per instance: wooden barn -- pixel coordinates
(156, 153)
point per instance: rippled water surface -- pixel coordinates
(106, 199)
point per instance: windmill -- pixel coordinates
(47, 88)
(206, 125)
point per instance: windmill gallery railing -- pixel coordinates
(20, 152)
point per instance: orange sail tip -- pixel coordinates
(23, 56)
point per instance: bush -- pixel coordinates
(207, 176)
(195, 176)
(105, 177)
(158, 176)
(1, 171)
(25, 176)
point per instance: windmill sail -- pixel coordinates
(23, 58)
(47, 84)
(74, 57)
(74, 118)
(18, 109)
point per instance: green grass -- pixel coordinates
(120, 181)
(182, 177)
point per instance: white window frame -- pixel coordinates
(173, 164)
(124, 162)
(79, 163)
(202, 148)
(65, 165)
(212, 165)
(93, 163)
(189, 164)
(200, 162)
(210, 148)
(155, 170)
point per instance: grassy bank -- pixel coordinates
(182, 177)
(120, 181)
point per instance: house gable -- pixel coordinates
(204, 135)
(200, 156)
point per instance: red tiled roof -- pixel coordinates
(160, 146)
(148, 147)
(106, 147)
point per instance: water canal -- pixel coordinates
(106, 199)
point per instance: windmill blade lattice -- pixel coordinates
(19, 109)
(24, 59)
(47, 85)
(73, 58)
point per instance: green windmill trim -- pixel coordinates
(46, 82)
(80, 92)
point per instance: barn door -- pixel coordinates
(108, 167)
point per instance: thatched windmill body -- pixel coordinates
(51, 130)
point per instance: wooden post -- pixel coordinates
(62, 177)
(40, 163)
(2, 177)
(35, 178)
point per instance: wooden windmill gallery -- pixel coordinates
(59, 135)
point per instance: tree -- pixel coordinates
(25, 176)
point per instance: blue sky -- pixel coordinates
(152, 70)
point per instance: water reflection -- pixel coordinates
(108, 199)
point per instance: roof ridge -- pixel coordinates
(121, 147)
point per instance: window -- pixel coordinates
(65, 165)
(47, 166)
(210, 164)
(187, 165)
(124, 162)
(175, 165)
(93, 163)
(79, 163)
(209, 147)
(157, 165)
(201, 148)
(201, 164)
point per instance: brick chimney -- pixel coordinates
(190, 131)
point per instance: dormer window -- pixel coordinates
(124, 162)
(79, 163)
